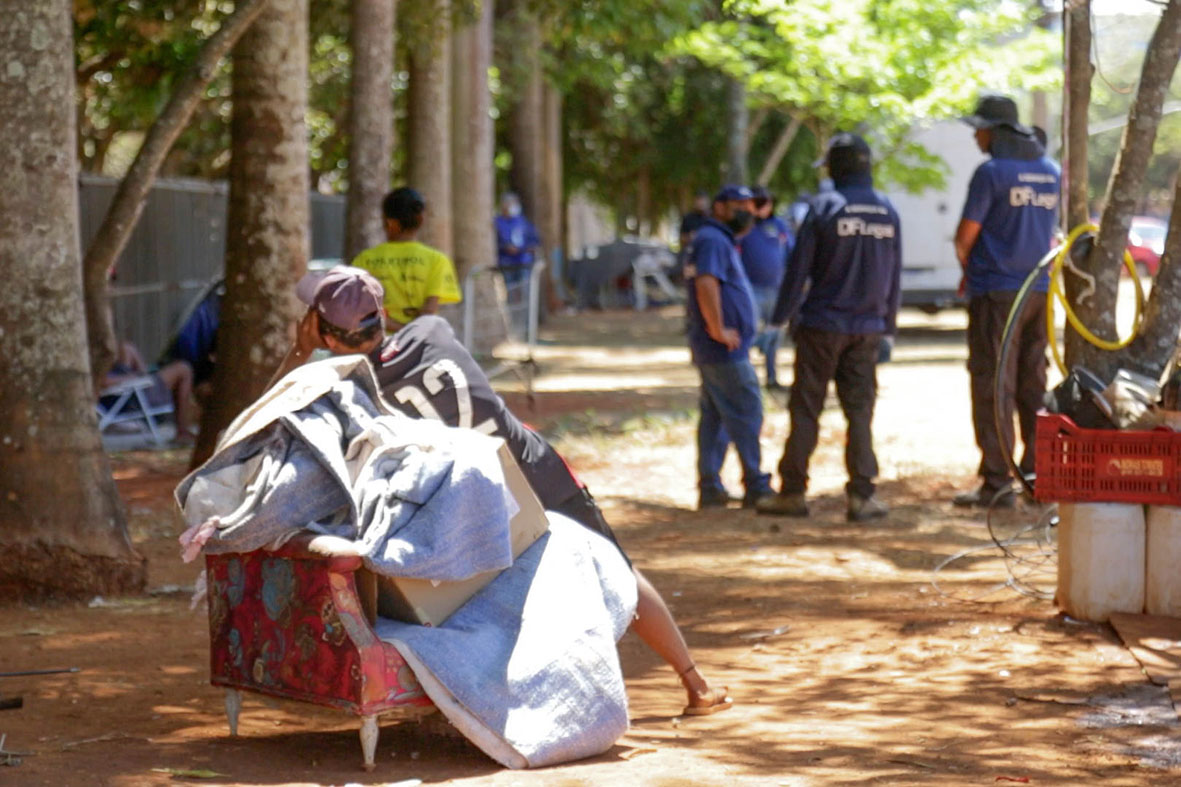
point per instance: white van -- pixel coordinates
(930, 271)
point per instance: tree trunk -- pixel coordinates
(1123, 194)
(429, 152)
(267, 215)
(737, 116)
(473, 143)
(1076, 100)
(549, 218)
(1150, 352)
(526, 115)
(63, 529)
(753, 127)
(133, 190)
(779, 150)
(371, 122)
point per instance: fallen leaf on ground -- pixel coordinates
(190, 773)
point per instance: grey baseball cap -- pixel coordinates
(344, 295)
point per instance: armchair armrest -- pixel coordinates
(341, 554)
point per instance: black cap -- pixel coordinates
(847, 154)
(995, 110)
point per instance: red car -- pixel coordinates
(1146, 242)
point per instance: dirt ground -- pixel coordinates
(898, 652)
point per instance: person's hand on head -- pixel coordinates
(307, 334)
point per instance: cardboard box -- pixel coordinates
(430, 603)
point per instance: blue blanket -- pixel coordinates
(528, 668)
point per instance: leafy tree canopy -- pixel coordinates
(878, 66)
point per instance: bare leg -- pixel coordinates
(178, 376)
(654, 624)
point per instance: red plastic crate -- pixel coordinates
(1106, 465)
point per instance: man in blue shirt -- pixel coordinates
(1008, 225)
(516, 238)
(721, 325)
(764, 255)
(849, 250)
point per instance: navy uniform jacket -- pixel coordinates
(849, 249)
(1014, 198)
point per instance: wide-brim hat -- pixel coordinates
(993, 111)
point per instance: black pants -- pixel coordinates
(850, 360)
(1024, 379)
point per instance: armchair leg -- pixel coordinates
(369, 740)
(233, 706)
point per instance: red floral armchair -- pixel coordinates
(297, 623)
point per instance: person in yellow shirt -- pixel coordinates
(416, 277)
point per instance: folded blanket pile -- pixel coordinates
(527, 669)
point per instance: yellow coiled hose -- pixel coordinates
(1058, 290)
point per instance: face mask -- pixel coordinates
(741, 220)
(513, 209)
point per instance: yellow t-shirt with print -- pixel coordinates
(410, 272)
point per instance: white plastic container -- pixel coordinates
(1162, 579)
(1101, 564)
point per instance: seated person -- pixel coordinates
(426, 373)
(416, 278)
(173, 380)
(196, 342)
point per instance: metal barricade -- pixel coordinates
(521, 311)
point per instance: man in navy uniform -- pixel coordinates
(721, 325)
(849, 251)
(764, 255)
(425, 372)
(1008, 225)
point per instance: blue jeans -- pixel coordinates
(767, 339)
(731, 411)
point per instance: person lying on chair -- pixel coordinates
(426, 373)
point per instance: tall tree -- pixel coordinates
(133, 189)
(371, 121)
(473, 145)
(550, 199)
(428, 163)
(525, 83)
(737, 119)
(1076, 101)
(267, 220)
(62, 526)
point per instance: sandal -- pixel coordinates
(711, 702)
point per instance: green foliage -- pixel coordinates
(877, 66)
(129, 55)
